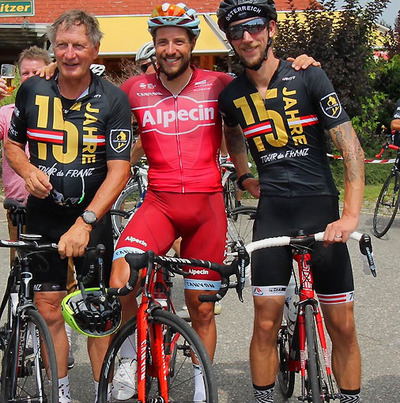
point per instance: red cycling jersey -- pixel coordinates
(181, 135)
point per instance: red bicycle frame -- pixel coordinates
(307, 296)
(150, 337)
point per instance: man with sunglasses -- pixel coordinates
(78, 127)
(282, 113)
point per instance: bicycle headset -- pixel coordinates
(171, 15)
(92, 312)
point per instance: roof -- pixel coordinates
(19, 32)
(47, 11)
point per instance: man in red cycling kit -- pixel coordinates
(181, 131)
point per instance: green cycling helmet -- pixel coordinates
(92, 312)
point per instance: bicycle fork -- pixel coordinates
(151, 355)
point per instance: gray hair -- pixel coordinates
(76, 17)
(34, 53)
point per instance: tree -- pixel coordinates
(342, 42)
(392, 42)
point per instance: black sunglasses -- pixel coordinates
(61, 200)
(254, 26)
(144, 67)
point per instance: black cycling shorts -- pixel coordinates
(52, 221)
(277, 216)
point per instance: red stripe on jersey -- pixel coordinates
(46, 136)
(255, 130)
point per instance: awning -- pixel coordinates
(21, 36)
(124, 35)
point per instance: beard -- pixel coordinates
(171, 74)
(254, 65)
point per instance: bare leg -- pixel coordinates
(346, 357)
(203, 321)
(49, 306)
(263, 346)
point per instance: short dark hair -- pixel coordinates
(34, 53)
(76, 17)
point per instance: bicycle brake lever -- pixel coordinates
(243, 261)
(366, 251)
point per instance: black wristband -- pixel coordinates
(243, 178)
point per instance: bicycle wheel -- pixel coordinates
(313, 381)
(124, 207)
(386, 205)
(286, 378)
(240, 229)
(180, 343)
(30, 367)
(231, 193)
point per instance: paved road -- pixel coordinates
(377, 313)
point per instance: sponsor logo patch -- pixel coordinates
(120, 139)
(331, 106)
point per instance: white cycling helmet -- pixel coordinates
(147, 51)
(174, 15)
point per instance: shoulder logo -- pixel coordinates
(331, 106)
(120, 139)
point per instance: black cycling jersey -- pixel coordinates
(72, 142)
(285, 132)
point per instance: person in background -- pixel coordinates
(72, 185)
(30, 61)
(395, 124)
(283, 113)
(146, 58)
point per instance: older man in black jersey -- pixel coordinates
(79, 133)
(282, 114)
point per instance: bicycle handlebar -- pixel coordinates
(364, 241)
(385, 146)
(138, 261)
(33, 245)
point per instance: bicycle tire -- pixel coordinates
(240, 229)
(180, 368)
(231, 193)
(286, 378)
(124, 207)
(313, 373)
(34, 369)
(387, 205)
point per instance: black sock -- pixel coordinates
(350, 396)
(264, 394)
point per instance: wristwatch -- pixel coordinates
(89, 217)
(243, 178)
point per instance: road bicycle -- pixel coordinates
(168, 346)
(131, 198)
(388, 200)
(302, 345)
(28, 362)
